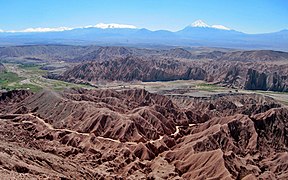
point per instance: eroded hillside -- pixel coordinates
(134, 134)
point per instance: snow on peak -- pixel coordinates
(220, 27)
(57, 29)
(41, 29)
(199, 23)
(112, 26)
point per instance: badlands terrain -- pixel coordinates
(90, 112)
(134, 134)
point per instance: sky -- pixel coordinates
(250, 16)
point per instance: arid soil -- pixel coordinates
(134, 134)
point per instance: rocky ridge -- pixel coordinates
(244, 75)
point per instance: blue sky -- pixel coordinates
(250, 16)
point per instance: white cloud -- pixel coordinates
(1, 30)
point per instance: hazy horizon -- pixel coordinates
(258, 16)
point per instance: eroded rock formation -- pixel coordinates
(134, 134)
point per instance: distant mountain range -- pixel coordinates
(196, 34)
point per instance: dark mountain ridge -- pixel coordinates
(100, 53)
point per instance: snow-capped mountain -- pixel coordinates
(202, 31)
(197, 34)
(196, 24)
(59, 29)
(201, 24)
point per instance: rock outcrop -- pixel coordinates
(266, 81)
(245, 75)
(131, 69)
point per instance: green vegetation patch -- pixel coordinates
(61, 85)
(29, 65)
(7, 78)
(30, 87)
(33, 69)
(29, 76)
(11, 81)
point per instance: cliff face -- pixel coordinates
(266, 81)
(256, 80)
(244, 75)
(278, 82)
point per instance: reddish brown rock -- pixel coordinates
(134, 134)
